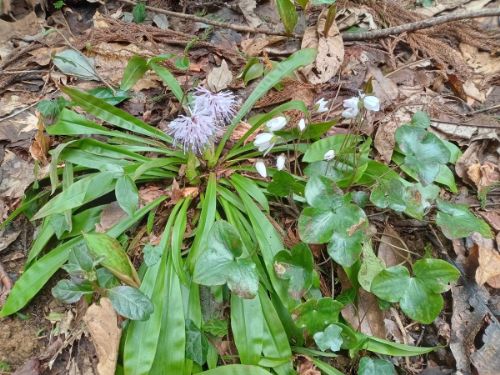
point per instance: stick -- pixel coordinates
(419, 25)
(368, 35)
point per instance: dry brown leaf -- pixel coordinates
(487, 359)
(147, 194)
(484, 175)
(384, 87)
(489, 264)
(39, 149)
(366, 316)
(7, 237)
(240, 131)
(248, 9)
(102, 323)
(306, 366)
(493, 218)
(219, 78)
(111, 215)
(16, 175)
(255, 46)
(388, 250)
(330, 49)
(26, 26)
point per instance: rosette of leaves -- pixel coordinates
(419, 296)
(333, 219)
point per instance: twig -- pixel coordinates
(14, 114)
(369, 35)
(419, 25)
(497, 106)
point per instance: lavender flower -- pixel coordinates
(222, 105)
(193, 132)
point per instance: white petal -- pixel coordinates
(350, 112)
(280, 162)
(322, 105)
(302, 124)
(276, 123)
(351, 102)
(263, 138)
(329, 155)
(371, 103)
(261, 168)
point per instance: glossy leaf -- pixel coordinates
(288, 14)
(127, 194)
(315, 315)
(296, 266)
(456, 221)
(329, 339)
(68, 291)
(169, 80)
(130, 302)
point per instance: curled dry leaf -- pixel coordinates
(39, 149)
(255, 46)
(102, 323)
(366, 317)
(389, 249)
(16, 175)
(486, 360)
(330, 49)
(488, 270)
(484, 175)
(219, 78)
(110, 216)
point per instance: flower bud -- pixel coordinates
(280, 162)
(261, 168)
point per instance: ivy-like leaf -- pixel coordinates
(218, 263)
(196, 343)
(315, 315)
(374, 366)
(333, 219)
(424, 152)
(330, 338)
(418, 296)
(296, 266)
(456, 221)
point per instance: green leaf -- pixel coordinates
(236, 370)
(251, 188)
(139, 12)
(418, 296)
(424, 152)
(112, 256)
(284, 184)
(315, 315)
(218, 263)
(216, 327)
(288, 14)
(296, 60)
(371, 266)
(296, 266)
(456, 221)
(196, 344)
(254, 71)
(421, 119)
(330, 338)
(73, 62)
(340, 143)
(70, 292)
(51, 108)
(370, 366)
(130, 302)
(136, 67)
(169, 79)
(127, 195)
(152, 254)
(109, 96)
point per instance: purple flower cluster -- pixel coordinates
(209, 113)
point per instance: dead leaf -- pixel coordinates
(219, 78)
(102, 323)
(26, 26)
(493, 218)
(39, 149)
(384, 87)
(248, 9)
(177, 193)
(147, 194)
(111, 215)
(484, 175)
(31, 367)
(330, 49)
(349, 17)
(16, 175)
(489, 263)
(484, 153)
(487, 359)
(255, 46)
(240, 131)
(366, 316)
(7, 237)
(306, 366)
(388, 250)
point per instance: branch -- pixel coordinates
(419, 25)
(368, 35)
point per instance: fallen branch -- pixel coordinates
(368, 35)
(419, 25)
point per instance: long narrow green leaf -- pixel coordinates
(32, 280)
(236, 370)
(136, 67)
(113, 115)
(247, 324)
(207, 218)
(288, 14)
(169, 79)
(142, 336)
(284, 68)
(251, 188)
(177, 237)
(170, 353)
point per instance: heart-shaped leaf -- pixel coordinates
(424, 152)
(316, 314)
(456, 221)
(297, 267)
(111, 255)
(130, 302)
(218, 263)
(373, 366)
(330, 338)
(418, 296)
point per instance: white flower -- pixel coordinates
(322, 105)
(280, 162)
(329, 155)
(264, 141)
(351, 106)
(261, 168)
(276, 123)
(194, 132)
(371, 103)
(302, 125)
(221, 105)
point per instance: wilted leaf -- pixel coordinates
(219, 78)
(73, 62)
(330, 338)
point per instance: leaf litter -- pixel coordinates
(473, 63)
